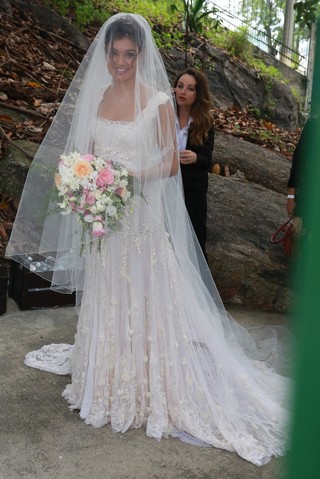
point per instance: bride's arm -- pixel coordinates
(168, 164)
(167, 138)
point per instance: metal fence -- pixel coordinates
(260, 39)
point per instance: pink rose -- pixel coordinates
(97, 229)
(87, 157)
(105, 177)
(90, 198)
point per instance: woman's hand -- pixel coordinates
(188, 157)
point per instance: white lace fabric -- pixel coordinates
(154, 345)
(152, 349)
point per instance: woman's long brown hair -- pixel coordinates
(202, 119)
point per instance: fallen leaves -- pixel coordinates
(34, 84)
(241, 123)
(35, 72)
(6, 119)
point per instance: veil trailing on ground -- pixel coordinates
(54, 246)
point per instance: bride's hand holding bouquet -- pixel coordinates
(95, 189)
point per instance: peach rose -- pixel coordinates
(57, 180)
(82, 168)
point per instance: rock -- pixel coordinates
(244, 209)
(15, 166)
(242, 215)
(5, 7)
(247, 268)
(233, 83)
(49, 18)
(259, 165)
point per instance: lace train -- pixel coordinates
(154, 349)
(53, 358)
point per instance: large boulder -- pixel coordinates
(242, 215)
(259, 165)
(15, 166)
(234, 83)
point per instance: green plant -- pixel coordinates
(270, 107)
(297, 95)
(307, 12)
(196, 16)
(87, 12)
(254, 110)
(61, 6)
(237, 43)
(266, 70)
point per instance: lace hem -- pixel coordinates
(53, 358)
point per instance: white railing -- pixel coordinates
(260, 39)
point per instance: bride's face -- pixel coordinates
(122, 59)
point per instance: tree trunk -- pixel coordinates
(310, 69)
(287, 37)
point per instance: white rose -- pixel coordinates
(88, 218)
(111, 211)
(100, 206)
(66, 210)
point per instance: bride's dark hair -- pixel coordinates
(125, 26)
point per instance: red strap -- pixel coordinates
(286, 229)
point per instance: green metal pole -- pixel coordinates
(303, 460)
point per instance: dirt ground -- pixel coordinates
(40, 438)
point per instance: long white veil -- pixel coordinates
(44, 238)
(47, 240)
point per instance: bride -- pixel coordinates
(154, 345)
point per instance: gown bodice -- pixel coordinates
(133, 144)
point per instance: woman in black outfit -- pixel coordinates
(195, 136)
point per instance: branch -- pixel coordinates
(54, 35)
(22, 110)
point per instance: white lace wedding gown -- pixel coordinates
(148, 354)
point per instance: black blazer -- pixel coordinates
(195, 176)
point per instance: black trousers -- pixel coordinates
(196, 204)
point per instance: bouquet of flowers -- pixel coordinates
(95, 189)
